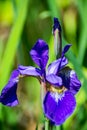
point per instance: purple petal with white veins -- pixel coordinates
(29, 70)
(54, 80)
(70, 79)
(65, 49)
(55, 66)
(58, 107)
(39, 53)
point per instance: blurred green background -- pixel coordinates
(21, 24)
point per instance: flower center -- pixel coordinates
(56, 89)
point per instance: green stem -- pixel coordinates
(36, 127)
(57, 127)
(46, 124)
(52, 127)
(61, 127)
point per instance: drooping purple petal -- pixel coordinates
(54, 80)
(70, 79)
(65, 49)
(29, 70)
(39, 53)
(8, 95)
(14, 75)
(58, 107)
(55, 66)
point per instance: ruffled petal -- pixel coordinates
(54, 80)
(29, 70)
(58, 107)
(39, 53)
(8, 95)
(70, 80)
(55, 66)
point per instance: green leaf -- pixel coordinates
(83, 30)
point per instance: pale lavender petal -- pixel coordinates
(39, 53)
(55, 66)
(70, 79)
(29, 70)
(54, 80)
(58, 107)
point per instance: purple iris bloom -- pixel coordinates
(60, 83)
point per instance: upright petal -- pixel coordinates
(58, 107)
(39, 53)
(70, 79)
(65, 49)
(29, 70)
(8, 95)
(55, 66)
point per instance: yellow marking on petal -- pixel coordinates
(21, 76)
(59, 90)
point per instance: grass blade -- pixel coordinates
(12, 43)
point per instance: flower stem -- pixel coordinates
(46, 124)
(61, 127)
(58, 50)
(36, 127)
(52, 127)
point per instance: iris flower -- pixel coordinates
(59, 82)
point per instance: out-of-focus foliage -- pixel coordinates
(21, 24)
